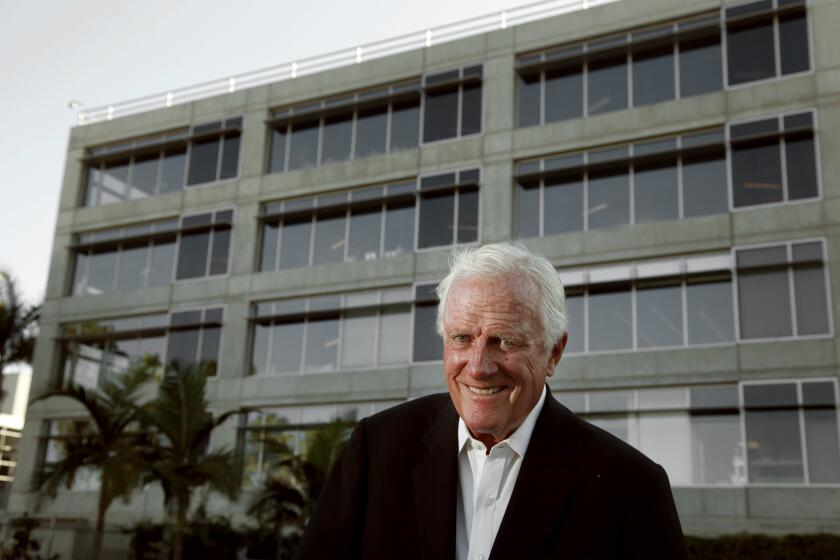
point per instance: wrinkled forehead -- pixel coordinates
(512, 293)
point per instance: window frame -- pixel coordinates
(774, 13)
(789, 266)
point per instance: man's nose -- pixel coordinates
(481, 362)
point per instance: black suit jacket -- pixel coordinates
(581, 493)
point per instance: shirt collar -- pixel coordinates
(518, 440)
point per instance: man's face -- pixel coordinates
(493, 354)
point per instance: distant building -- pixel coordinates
(677, 161)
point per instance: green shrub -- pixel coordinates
(763, 547)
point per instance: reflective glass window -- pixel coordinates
(610, 318)
(764, 293)
(607, 84)
(653, 75)
(321, 344)
(287, 347)
(405, 125)
(161, 262)
(428, 344)
(268, 260)
(114, 182)
(793, 43)
(294, 243)
(80, 273)
(659, 316)
(358, 338)
(399, 228)
(210, 342)
(204, 160)
(757, 173)
(183, 347)
(666, 439)
(303, 149)
(810, 291)
(563, 201)
(467, 215)
(709, 311)
(716, 449)
(101, 271)
(823, 445)
(527, 209)
(704, 185)
(259, 349)
(394, 334)
(219, 255)
(750, 51)
(564, 93)
(774, 446)
(441, 115)
(144, 175)
(471, 109)
(655, 192)
(172, 172)
(329, 238)
(700, 66)
(192, 255)
(577, 327)
(277, 158)
(371, 131)
(528, 99)
(437, 216)
(230, 157)
(365, 230)
(609, 198)
(132, 267)
(338, 137)
(801, 164)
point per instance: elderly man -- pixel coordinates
(498, 468)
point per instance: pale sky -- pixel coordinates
(105, 51)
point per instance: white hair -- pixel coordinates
(504, 259)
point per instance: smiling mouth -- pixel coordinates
(488, 391)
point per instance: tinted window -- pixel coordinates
(259, 349)
(793, 43)
(427, 342)
(192, 255)
(303, 151)
(756, 173)
(764, 295)
(358, 338)
(563, 200)
(467, 215)
(659, 316)
(371, 131)
(441, 115)
(365, 229)
(527, 209)
(209, 357)
(528, 100)
(321, 344)
(114, 182)
(700, 70)
(774, 447)
(399, 228)
(749, 50)
(394, 334)
(709, 312)
(101, 272)
(230, 157)
(823, 451)
(607, 85)
(269, 247)
(132, 267)
(471, 109)
(564, 93)
(577, 327)
(160, 263)
(183, 347)
(219, 256)
(294, 243)
(172, 174)
(810, 296)
(610, 320)
(277, 159)
(80, 273)
(653, 75)
(436, 220)
(338, 135)
(704, 185)
(609, 199)
(655, 192)
(144, 175)
(801, 166)
(286, 347)
(204, 158)
(329, 239)
(405, 125)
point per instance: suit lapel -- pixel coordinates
(436, 487)
(547, 481)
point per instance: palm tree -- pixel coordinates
(288, 496)
(180, 461)
(111, 445)
(18, 326)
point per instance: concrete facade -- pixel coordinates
(770, 508)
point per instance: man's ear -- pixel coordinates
(557, 353)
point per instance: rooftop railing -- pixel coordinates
(337, 59)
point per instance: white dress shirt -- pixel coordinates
(486, 483)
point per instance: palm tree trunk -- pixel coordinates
(180, 526)
(99, 531)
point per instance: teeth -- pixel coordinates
(489, 391)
